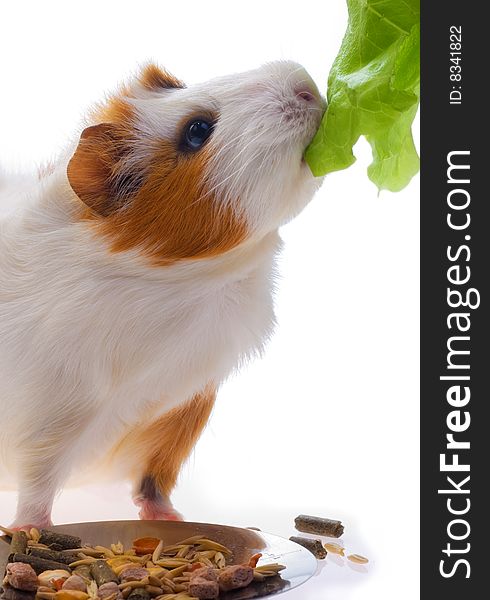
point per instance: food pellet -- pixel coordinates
(59, 541)
(47, 554)
(314, 546)
(40, 564)
(102, 573)
(18, 544)
(319, 526)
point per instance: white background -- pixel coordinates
(327, 422)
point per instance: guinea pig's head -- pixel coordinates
(182, 172)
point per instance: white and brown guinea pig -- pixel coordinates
(136, 273)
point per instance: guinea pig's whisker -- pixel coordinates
(221, 183)
(238, 184)
(261, 133)
(271, 148)
(254, 139)
(248, 131)
(234, 174)
(234, 141)
(266, 157)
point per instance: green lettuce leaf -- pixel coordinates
(373, 90)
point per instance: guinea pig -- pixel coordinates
(137, 272)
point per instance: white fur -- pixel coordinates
(91, 341)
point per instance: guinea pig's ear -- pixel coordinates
(95, 171)
(155, 79)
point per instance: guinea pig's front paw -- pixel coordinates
(156, 511)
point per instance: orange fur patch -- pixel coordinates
(162, 207)
(168, 442)
(173, 217)
(116, 110)
(153, 78)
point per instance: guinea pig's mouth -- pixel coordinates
(313, 121)
(310, 139)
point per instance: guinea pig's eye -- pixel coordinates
(196, 133)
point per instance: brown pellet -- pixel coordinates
(18, 544)
(59, 541)
(314, 546)
(47, 554)
(40, 564)
(319, 526)
(102, 573)
(84, 572)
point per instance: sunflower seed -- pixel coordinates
(357, 558)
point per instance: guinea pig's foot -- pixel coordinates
(150, 510)
(38, 525)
